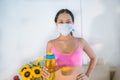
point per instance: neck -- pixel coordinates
(68, 37)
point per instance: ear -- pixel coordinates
(56, 24)
(72, 22)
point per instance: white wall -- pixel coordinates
(101, 28)
(25, 28)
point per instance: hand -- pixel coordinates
(45, 73)
(82, 77)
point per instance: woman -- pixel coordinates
(68, 50)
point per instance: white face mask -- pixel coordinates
(65, 29)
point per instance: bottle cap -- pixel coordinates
(50, 55)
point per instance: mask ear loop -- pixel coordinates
(73, 30)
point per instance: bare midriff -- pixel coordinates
(68, 72)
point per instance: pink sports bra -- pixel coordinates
(71, 59)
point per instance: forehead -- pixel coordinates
(64, 16)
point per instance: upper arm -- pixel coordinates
(49, 46)
(87, 49)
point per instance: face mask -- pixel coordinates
(65, 29)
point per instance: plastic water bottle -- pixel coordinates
(50, 63)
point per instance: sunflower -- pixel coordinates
(27, 74)
(26, 66)
(36, 72)
(38, 59)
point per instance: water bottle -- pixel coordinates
(50, 63)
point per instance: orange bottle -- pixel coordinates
(50, 63)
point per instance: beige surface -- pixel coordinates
(101, 72)
(117, 74)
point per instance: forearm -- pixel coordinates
(91, 66)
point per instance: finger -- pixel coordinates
(45, 75)
(80, 75)
(80, 79)
(85, 78)
(44, 68)
(45, 72)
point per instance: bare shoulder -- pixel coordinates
(49, 45)
(82, 41)
(50, 42)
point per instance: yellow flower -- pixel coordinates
(38, 59)
(34, 63)
(36, 72)
(26, 74)
(26, 66)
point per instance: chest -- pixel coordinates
(66, 46)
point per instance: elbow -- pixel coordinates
(94, 59)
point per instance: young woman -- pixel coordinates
(68, 50)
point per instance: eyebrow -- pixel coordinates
(67, 19)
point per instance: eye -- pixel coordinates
(60, 22)
(68, 22)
